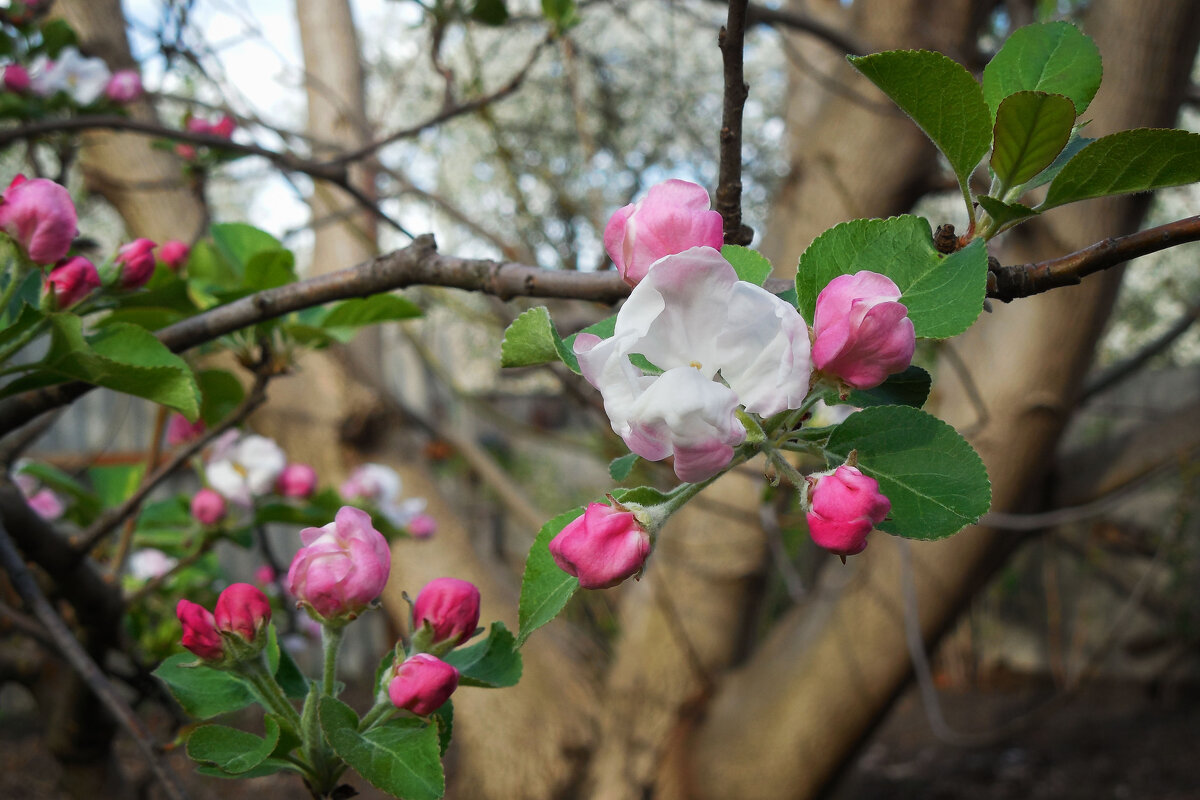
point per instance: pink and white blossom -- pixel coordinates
(83, 79)
(694, 319)
(342, 567)
(124, 86)
(246, 469)
(844, 505)
(39, 215)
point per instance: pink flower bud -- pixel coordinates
(602, 546)
(173, 253)
(16, 79)
(223, 127)
(244, 610)
(673, 217)
(200, 631)
(422, 526)
(422, 683)
(185, 151)
(342, 566)
(180, 431)
(46, 504)
(198, 125)
(40, 216)
(136, 260)
(845, 506)
(861, 334)
(451, 608)
(71, 281)
(208, 507)
(297, 480)
(124, 86)
(264, 575)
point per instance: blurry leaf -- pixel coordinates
(57, 34)
(490, 12)
(116, 483)
(239, 243)
(619, 468)
(220, 394)
(907, 388)
(941, 96)
(1053, 57)
(269, 269)
(444, 717)
(1130, 161)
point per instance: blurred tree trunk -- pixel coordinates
(786, 721)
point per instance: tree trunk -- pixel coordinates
(783, 724)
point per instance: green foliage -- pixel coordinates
(944, 294)
(562, 13)
(401, 756)
(1031, 129)
(907, 388)
(545, 588)
(750, 265)
(1130, 161)
(936, 482)
(619, 468)
(1074, 145)
(57, 34)
(220, 394)
(1005, 214)
(532, 339)
(1053, 57)
(490, 12)
(444, 717)
(230, 750)
(203, 692)
(941, 96)
(493, 662)
(115, 483)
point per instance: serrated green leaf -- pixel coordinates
(1005, 214)
(1053, 57)
(1139, 160)
(231, 750)
(203, 692)
(620, 467)
(531, 339)
(941, 96)
(361, 311)
(545, 588)
(944, 294)
(220, 394)
(401, 756)
(491, 663)
(750, 265)
(908, 388)
(1031, 129)
(935, 480)
(444, 717)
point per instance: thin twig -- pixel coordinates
(1120, 371)
(794, 20)
(729, 184)
(117, 563)
(82, 663)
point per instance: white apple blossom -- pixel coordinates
(380, 485)
(246, 468)
(692, 318)
(83, 79)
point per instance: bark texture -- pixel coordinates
(784, 722)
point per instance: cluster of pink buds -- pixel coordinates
(236, 632)
(222, 128)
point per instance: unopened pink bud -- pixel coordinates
(422, 684)
(845, 506)
(244, 610)
(46, 504)
(674, 216)
(223, 127)
(124, 86)
(136, 261)
(451, 609)
(173, 253)
(422, 526)
(185, 151)
(264, 575)
(16, 79)
(602, 546)
(297, 480)
(861, 334)
(200, 631)
(39, 215)
(71, 281)
(180, 431)
(208, 507)
(198, 125)
(342, 566)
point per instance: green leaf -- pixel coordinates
(231, 750)
(239, 243)
(531, 339)
(268, 766)
(343, 320)
(619, 468)
(1130, 161)
(750, 265)
(1074, 145)
(490, 12)
(936, 482)
(207, 266)
(121, 357)
(26, 319)
(944, 294)
(220, 394)
(941, 96)
(270, 269)
(562, 13)
(1005, 214)
(908, 388)
(444, 717)
(401, 756)
(1032, 128)
(492, 663)
(115, 483)
(85, 500)
(57, 34)
(203, 692)
(1053, 57)
(545, 588)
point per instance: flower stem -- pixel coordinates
(331, 640)
(269, 693)
(382, 709)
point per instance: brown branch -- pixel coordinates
(1122, 370)
(82, 663)
(1023, 280)
(729, 184)
(782, 18)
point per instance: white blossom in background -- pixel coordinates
(83, 79)
(245, 468)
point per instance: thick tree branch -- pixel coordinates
(729, 186)
(1024, 280)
